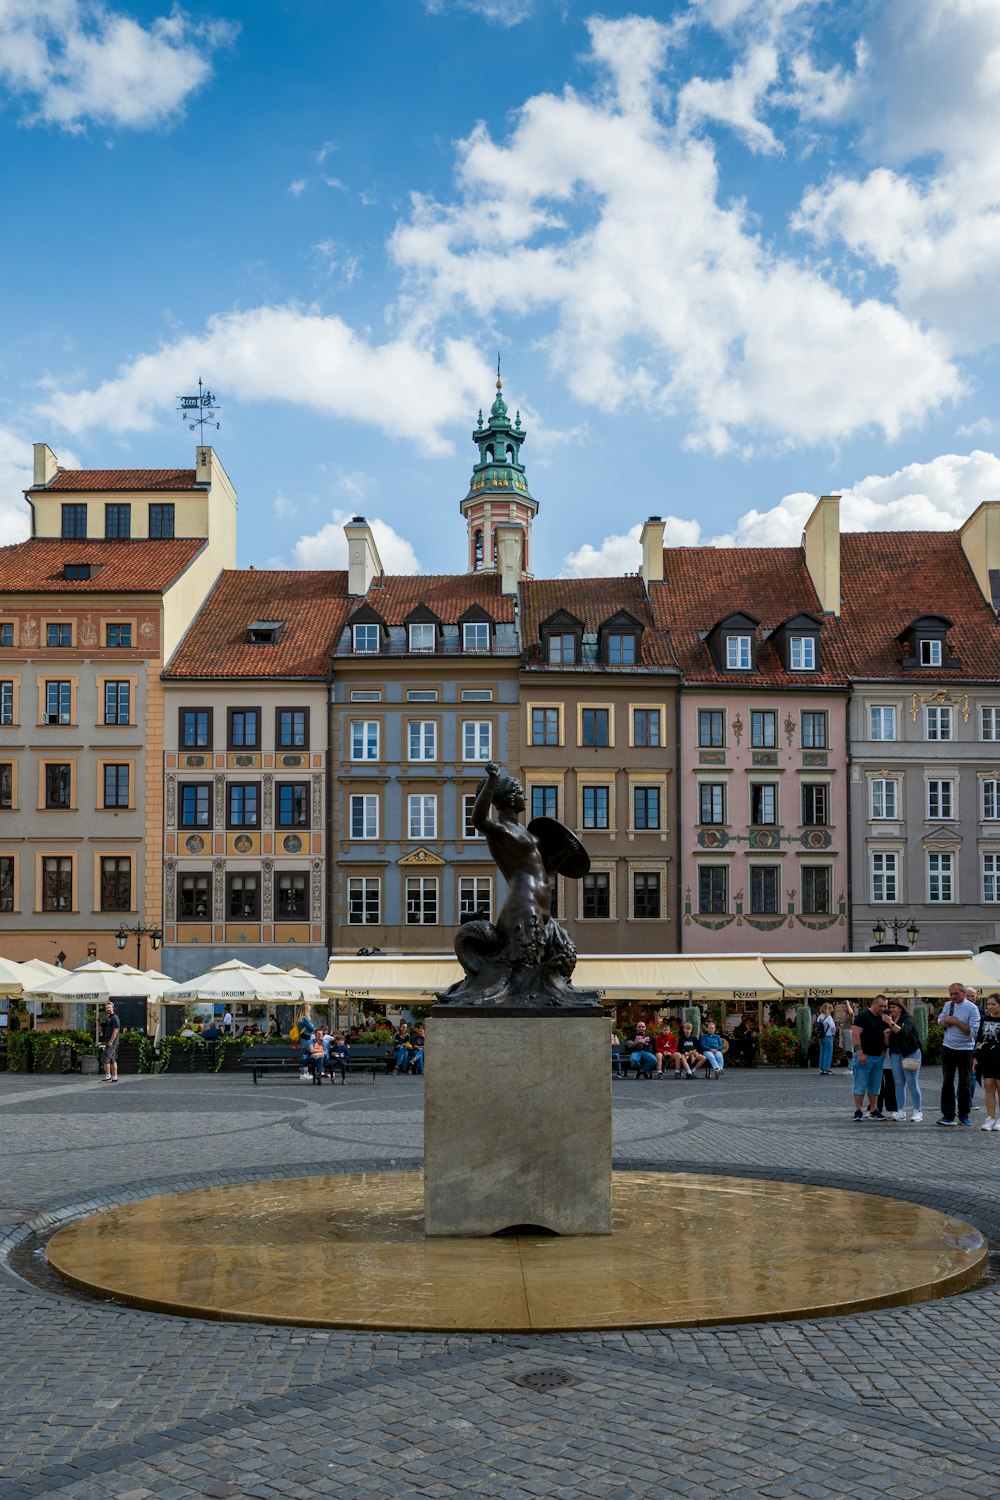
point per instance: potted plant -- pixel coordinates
(779, 1046)
(135, 1051)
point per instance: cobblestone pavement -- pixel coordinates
(104, 1401)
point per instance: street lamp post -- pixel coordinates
(155, 935)
(896, 925)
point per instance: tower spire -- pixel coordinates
(498, 495)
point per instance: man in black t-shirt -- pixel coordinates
(111, 1030)
(869, 1057)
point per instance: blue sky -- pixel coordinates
(734, 253)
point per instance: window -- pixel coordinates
(196, 728)
(196, 804)
(738, 653)
(57, 883)
(116, 785)
(421, 739)
(421, 816)
(7, 633)
(291, 895)
(884, 877)
(475, 897)
(991, 877)
(59, 786)
(814, 731)
(364, 739)
(938, 723)
(939, 877)
(469, 828)
(882, 722)
(293, 804)
(291, 728)
(884, 798)
(713, 888)
(243, 897)
(6, 785)
(243, 802)
(815, 804)
(366, 695)
(622, 649)
(116, 883)
(264, 632)
(545, 802)
(477, 695)
(74, 523)
(6, 882)
(990, 800)
(161, 522)
(117, 522)
(477, 739)
(6, 702)
(763, 802)
(58, 635)
(711, 728)
(816, 890)
(646, 807)
(763, 729)
(364, 900)
(194, 897)
(545, 726)
(594, 726)
(930, 653)
(476, 637)
(562, 650)
(594, 802)
(940, 799)
(646, 895)
(244, 728)
(118, 635)
(117, 702)
(422, 637)
(711, 802)
(421, 901)
(366, 639)
(597, 894)
(646, 727)
(58, 702)
(421, 695)
(364, 817)
(990, 723)
(764, 890)
(802, 653)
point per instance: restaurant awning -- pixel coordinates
(859, 976)
(677, 976)
(396, 979)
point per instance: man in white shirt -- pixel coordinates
(960, 1019)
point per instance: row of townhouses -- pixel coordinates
(767, 749)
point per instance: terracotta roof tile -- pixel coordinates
(889, 579)
(142, 567)
(136, 480)
(448, 595)
(594, 601)
(312, 605)
(704, 585)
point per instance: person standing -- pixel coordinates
(847, 1033)
(826, 1031)
(904, 1059)
(111, 1030)
(868, 1039)
(960, 1019)
(988, 1060)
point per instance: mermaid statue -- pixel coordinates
(524, 963)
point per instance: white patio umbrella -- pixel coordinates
(307, 984)
(94, 983)
(13, 977)
(237, 981)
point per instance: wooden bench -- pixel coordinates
(367, 1057)
(286, 1058)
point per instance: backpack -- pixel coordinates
(294, 1034)
(819, 1029)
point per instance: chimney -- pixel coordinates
(821, 543)
(980, 537)
(46, 464)
(510, 555)
(203, 465)
(363, 562)
(652, 550)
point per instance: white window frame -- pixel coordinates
(421, 815)
(475, 893)
(477, 740)
(421, 739)
(7, 701)
(765, 788)
(802, 653)
(941, 792)
(361, 635)
(426, 889)
(989, 714)
(365, 739)
(885, 877)
(931, 653)
(420, 636)
(991, 877)
(939, 716)
(739, 653)
(880, 785)
(989, 799)
(471, 632)
(811, 868)
(364, 886)
(940, 878)
(880, 716)
(469, 830)
(368, 804)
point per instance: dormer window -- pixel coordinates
(476, 636)
(931, 653)
(366, 639)
(924, 643)
(739, 653)
(733, 643)
(802, 653)
(77, 571)
(619, 640)
(796, 642)
(265, 632)
(561, 650)
(422, 637)
(562, 639)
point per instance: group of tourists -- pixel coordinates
(326, 1052)
(668, 1052)
(970, 1052)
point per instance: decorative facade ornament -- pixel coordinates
(170, 809)
(220, 801)
(317, 807)
(268, 800)
(169, 889)
(267, 894)
(317, 890)
(914, 707)
(420, 857)
(88, 631)
(965, 708)
(737, 727)
(789, 727)
(29, 631)
(219, 890)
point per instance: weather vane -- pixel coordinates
(199, 411)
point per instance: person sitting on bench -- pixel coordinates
(641, 1054)
(340, 1054)
(687, 1057)
(419, 1040)
(712, 1047)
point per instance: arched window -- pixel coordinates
(477, 550)
(510, 454)
(524, 552)
(494, 548)
(489, 454)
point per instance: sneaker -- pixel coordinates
(858, 1115)
(878, 1115)
(987, 1124)
(900, 1114)
(113, 1079)
(964, 1120)
(916, 1119)
(943, 1121)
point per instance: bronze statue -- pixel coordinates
(525, 962)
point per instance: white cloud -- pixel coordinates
(734, 101)
(934, 496)
(499, 12)
(406, 388)
(298, 187)
(327, 548)
(15, 476)
(75, 62)
(338, 261)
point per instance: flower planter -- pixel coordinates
(128, 1057)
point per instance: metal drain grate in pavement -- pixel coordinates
(545, 1380)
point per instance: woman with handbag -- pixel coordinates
(988, 1061)
(904, 1059)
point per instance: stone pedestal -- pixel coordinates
(517, 1124)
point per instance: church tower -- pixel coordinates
(498, 498)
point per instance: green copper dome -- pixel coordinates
(499, 470)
